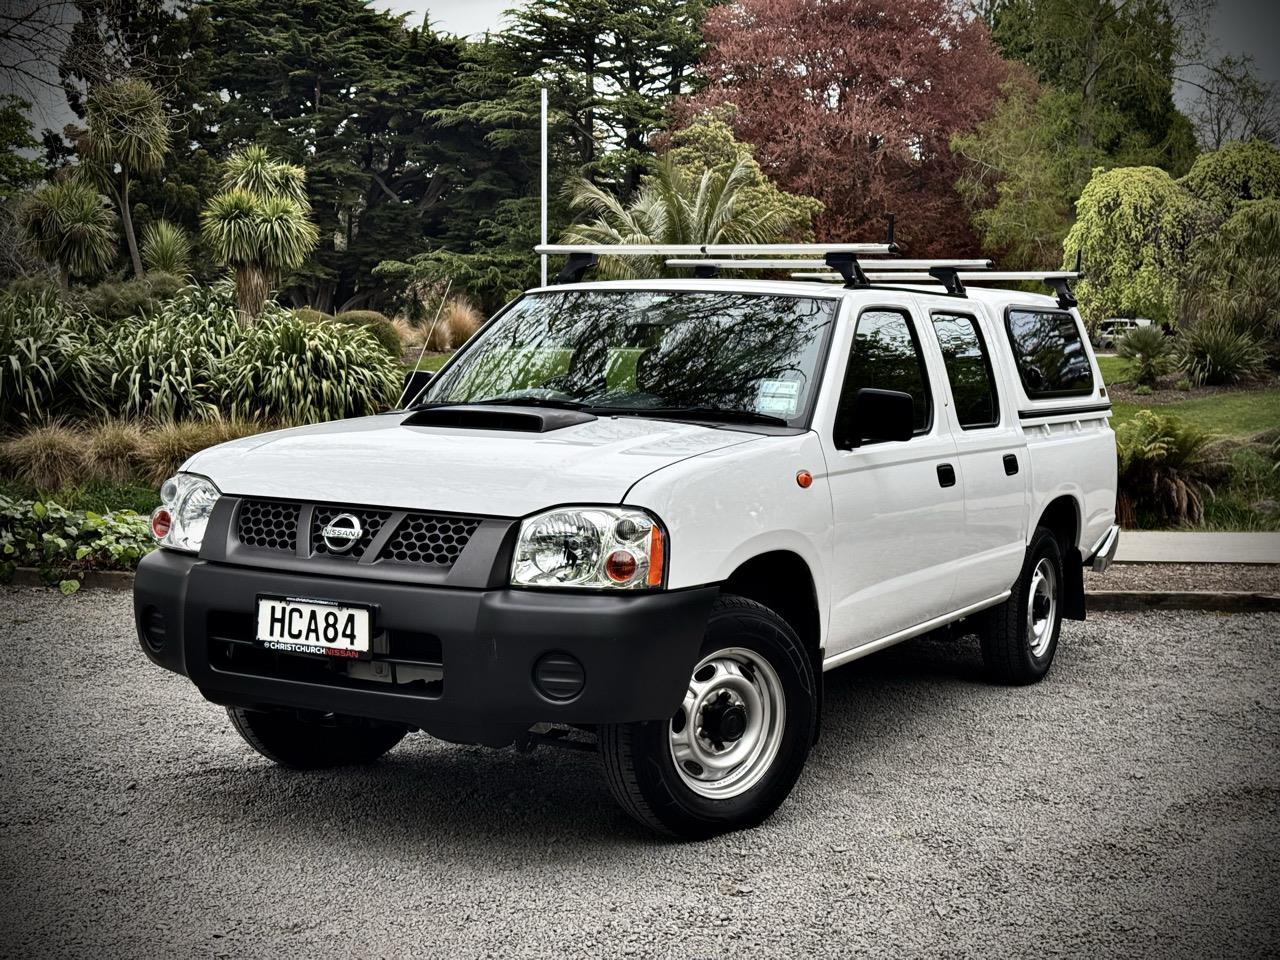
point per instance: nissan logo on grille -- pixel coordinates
(341, 533)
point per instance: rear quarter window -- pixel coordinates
(1049, 352)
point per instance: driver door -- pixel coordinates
(898, 507)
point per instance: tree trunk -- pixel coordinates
(126, 218)
(64, 278)
(252, 290)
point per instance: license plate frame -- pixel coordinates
(359, 648)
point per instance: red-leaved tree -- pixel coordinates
(855, 102)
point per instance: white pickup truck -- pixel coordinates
(644, 517)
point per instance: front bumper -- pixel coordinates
(458, 663)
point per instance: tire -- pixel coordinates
(753, 677)
(1020, 636)
(299, 743)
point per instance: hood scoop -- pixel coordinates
(507, 419)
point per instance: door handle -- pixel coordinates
(946, 475)
(1010, 464)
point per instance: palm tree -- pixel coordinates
(259, 224)
(70, 224)
(674, 207)
(128, 135)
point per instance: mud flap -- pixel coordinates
(1073, 589)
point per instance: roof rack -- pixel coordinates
(846, 261)
(954, 280)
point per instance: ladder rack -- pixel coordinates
(854, 264)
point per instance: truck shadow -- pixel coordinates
(453, 802)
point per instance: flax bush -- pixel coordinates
(284, 368)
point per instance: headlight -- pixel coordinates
(607, 548)
(186, 501)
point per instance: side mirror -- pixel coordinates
(879, 415)
(415, 381)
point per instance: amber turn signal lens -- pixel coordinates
(161, 521)
(805, 479)
(620, 566)
(657, 546)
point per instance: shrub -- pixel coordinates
(458, 321)
(117, 301)
(1165, 468)
(411, 336)
(1213, 353)
(312, 316)
(33, 288)
(1148, 352)
(47, 366)
(112, 450)
(167, 446)
(45, 458)
(1184, 385)
(1143, 391)
(287, 369)
(62, 542)
(166, 248)
(376, 324)
(172, 365)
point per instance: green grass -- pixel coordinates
(101, 496)
(430, 361)
(1114, 369)
(1240, 414)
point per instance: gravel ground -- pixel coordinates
(1252, 577)
(1127, 806)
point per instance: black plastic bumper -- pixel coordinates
(636, 652)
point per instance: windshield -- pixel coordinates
(700, 355)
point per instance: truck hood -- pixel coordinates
(380, 462)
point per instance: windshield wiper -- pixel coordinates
(720, 414)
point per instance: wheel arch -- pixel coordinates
(783, 581)
(1062, 516)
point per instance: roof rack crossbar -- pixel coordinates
(714, 249)
(793, 264)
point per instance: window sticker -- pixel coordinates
(778, 398)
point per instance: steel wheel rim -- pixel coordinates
(730, 678)
(1042, 607)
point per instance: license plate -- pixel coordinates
(313, 626)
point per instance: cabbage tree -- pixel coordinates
(259, 225)
(128, 135)
(70, 224)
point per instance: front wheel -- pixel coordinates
(314, 743)
(1020, 636)
(734, 749)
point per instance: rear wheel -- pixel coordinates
(314, 743)
(1020, 636)
(731, 753)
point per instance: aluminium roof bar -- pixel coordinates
(875, 274)
(712, 249)
(871, 265)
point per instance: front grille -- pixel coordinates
(268, 524)
(423, 538)
(371, 522)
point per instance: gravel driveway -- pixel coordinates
(1128, 806)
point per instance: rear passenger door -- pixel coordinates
(991, 453)
(898, 506)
